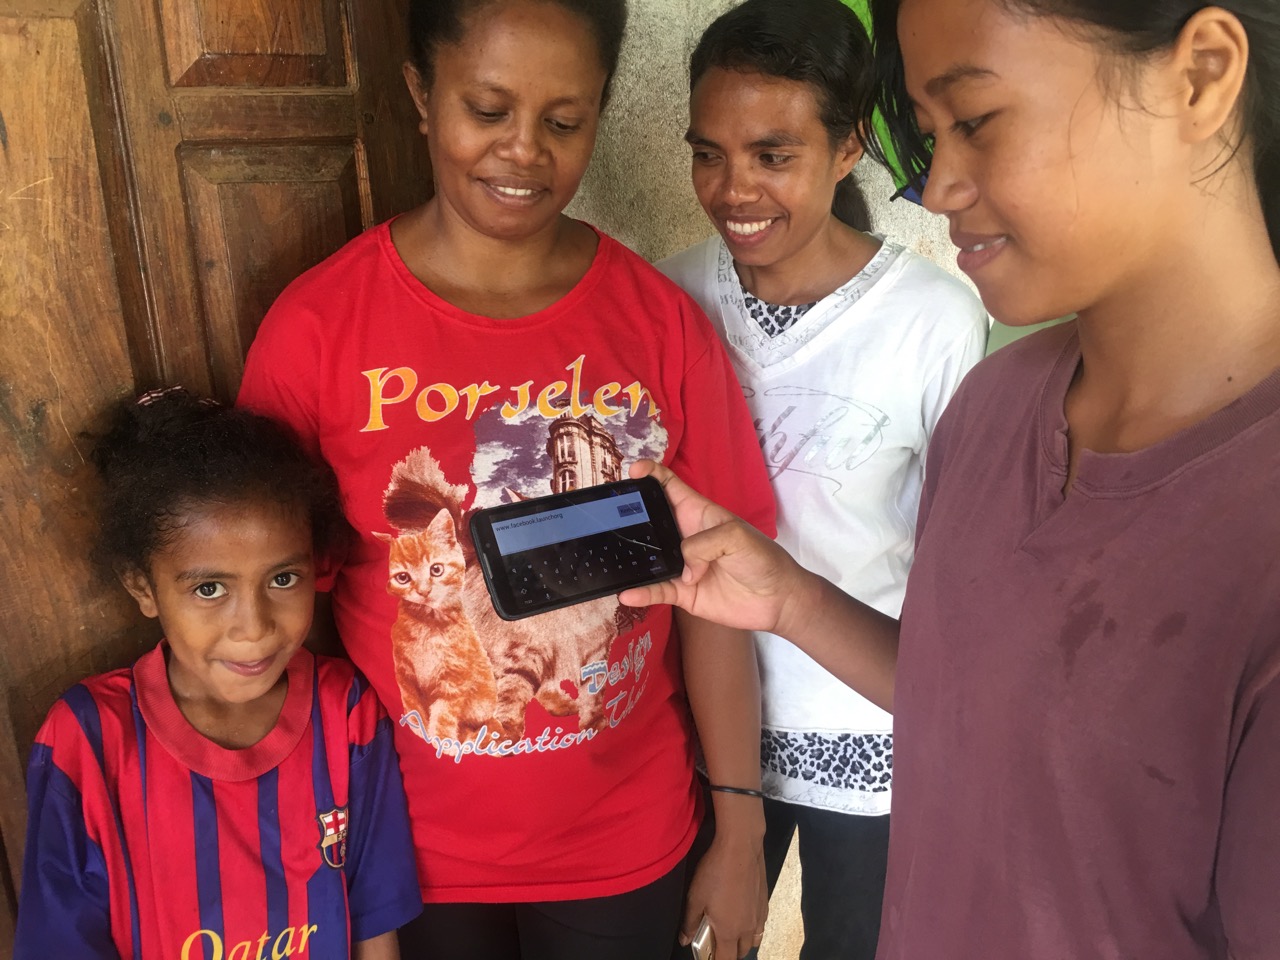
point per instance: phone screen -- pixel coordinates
(541, 554)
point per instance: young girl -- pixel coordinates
(485, 348)
(1087, 685)
(229, 795)
(847, 348)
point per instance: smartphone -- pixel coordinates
(703, 944)
(551, 552)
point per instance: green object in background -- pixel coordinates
(878, 127)
(1002, 336)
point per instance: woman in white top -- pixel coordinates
(848, 348)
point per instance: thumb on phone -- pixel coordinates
(734, 575)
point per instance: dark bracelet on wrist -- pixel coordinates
(740, 790)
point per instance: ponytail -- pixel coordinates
(850, 206)
(1268, 164)
(1262, 117)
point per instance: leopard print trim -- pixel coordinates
(848, 761)
(773, 318)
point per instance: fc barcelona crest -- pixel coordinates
(333, 837)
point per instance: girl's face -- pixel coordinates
(764, 168)
(511, 116)
(1054, 166)
(234, 592)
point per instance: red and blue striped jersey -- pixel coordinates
(147, 840)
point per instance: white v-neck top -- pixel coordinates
(844, 402)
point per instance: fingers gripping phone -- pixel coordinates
(703, 944)
(551, 552)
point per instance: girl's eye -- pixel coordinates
(487, 116)
(967, 128)
(210, 591)
(437, 569)
(285, 580)
(561, 126)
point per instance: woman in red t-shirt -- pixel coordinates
(484, 348)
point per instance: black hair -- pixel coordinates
(169, 452)
(437, 23)
(818, 42)
(1133, 27)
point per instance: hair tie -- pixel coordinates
(151, 396)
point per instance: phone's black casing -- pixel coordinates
(501, 590)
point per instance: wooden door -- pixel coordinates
(166, 167)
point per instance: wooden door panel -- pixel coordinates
(254, 43)
(372, 114)
(10, 864)
(396, 154)
(64, 357)
(261, 215)
(295, 118)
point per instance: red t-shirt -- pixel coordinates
(1087, 706)
(548, 758)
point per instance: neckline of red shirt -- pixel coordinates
(192, 749)
(605, 252)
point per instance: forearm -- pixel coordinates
(723, 686)
(734, 574)
(384, 947)
(853, 641)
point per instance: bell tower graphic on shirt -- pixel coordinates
(582, 453)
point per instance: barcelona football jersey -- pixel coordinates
(147, 840)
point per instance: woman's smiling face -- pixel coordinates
(511, 116)
(764, 167)
(1052, 162)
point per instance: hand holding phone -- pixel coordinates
(703, 944)
(735, 575)
(550, 552)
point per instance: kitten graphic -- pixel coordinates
(442, 670)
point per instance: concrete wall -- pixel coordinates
(638, 190)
